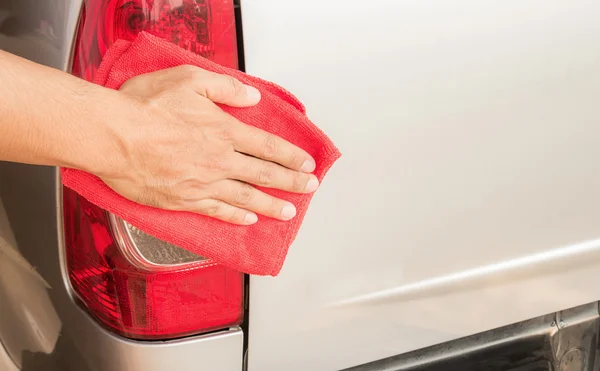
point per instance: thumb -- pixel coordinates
(226, 90)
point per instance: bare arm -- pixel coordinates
(48, 117)
(132, 139)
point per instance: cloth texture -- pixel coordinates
(258, 249)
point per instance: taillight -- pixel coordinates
(134, 284)
(205, 27)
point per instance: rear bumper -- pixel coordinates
(566, 341)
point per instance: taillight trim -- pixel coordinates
(60, 207)
(60, 227)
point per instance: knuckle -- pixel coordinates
(270, 147)
(125, 87)
(226, 131)
(187, 73)
(215, 163)
(236, 215)
(299, 182)
(193, 191)
(215, 191)
(295, 160)
(244, 195)
(211, 209)
(266, 174)
(275, 206)
(200, 188)
(234, 86)
(189, 70)
(162, 98)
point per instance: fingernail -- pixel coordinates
(312, 185)
(288, 212)
(252, 93)
(308, 166)
(250, 218)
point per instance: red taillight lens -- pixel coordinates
(205, 27)
(133, 284)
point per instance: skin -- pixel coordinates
(160, 140)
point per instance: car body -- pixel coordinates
(462, 215)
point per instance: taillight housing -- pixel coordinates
(205, 27)
(132, 283)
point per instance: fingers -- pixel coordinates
(247, 197)
(223, 89)
(271, 175)
(223, 211)
(238, 203)
(227, 90)
(259, 143)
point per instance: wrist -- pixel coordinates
(98, 136)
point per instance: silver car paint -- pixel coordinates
(467, 196)
(32, 201)
(360, 285)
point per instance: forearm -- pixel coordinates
(48, 117)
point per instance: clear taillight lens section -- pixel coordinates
(135, 284)
(149, 252)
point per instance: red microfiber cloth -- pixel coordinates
(256, 249)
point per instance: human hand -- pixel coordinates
(180, 151)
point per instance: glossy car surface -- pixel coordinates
(466, 198)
